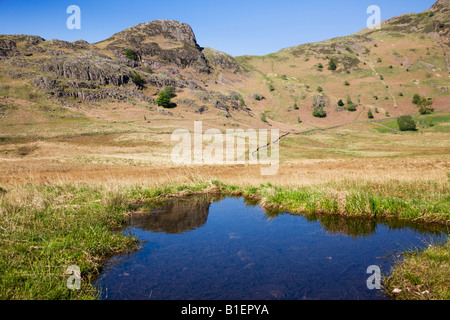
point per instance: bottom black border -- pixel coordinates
(240, 309)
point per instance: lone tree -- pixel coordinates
(370, 114)
(406, 123)
(319, 89)
(163, 99)
(351, 107)
(271, 87)
(331, 65)
(341, 103)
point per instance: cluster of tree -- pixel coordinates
(350, 105)
(319, 112)
(423, 103)
(331, 66)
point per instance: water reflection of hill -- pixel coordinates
(183, 215)
(175, 216)
(362, 227)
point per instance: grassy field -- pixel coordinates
(67, 189)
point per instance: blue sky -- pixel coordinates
(237, 27)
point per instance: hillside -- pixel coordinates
(74, 92)
(377, 69)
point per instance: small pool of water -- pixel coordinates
(225, 249)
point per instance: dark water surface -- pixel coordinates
(228, 250)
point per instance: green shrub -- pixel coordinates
(341, 103)
(351, 107)
(263, 117)
(137, 79)
(319, 112)
(406, 123)
(163, 99)
(331, 65)
(319, 89)
(130, 54)
(423, 103)
(370, 114)
(416, 99)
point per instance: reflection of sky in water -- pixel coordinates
(237, 252)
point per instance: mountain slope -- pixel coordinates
(378, 70)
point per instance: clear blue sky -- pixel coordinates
(237, 27)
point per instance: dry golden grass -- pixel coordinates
(293, 173)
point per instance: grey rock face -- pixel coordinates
(221, 59)
(89, 68)
(44, 83)
(185, 54)
(173, 30)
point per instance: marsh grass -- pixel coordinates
(421, 275)
(46, 228)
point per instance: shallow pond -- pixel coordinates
(226, 249)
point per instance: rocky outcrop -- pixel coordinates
(173, 30)
(440, 5)
(110, 93)
(44, 83)
(145, 40)
(7, 48)
(219, 59)
(89, 68)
